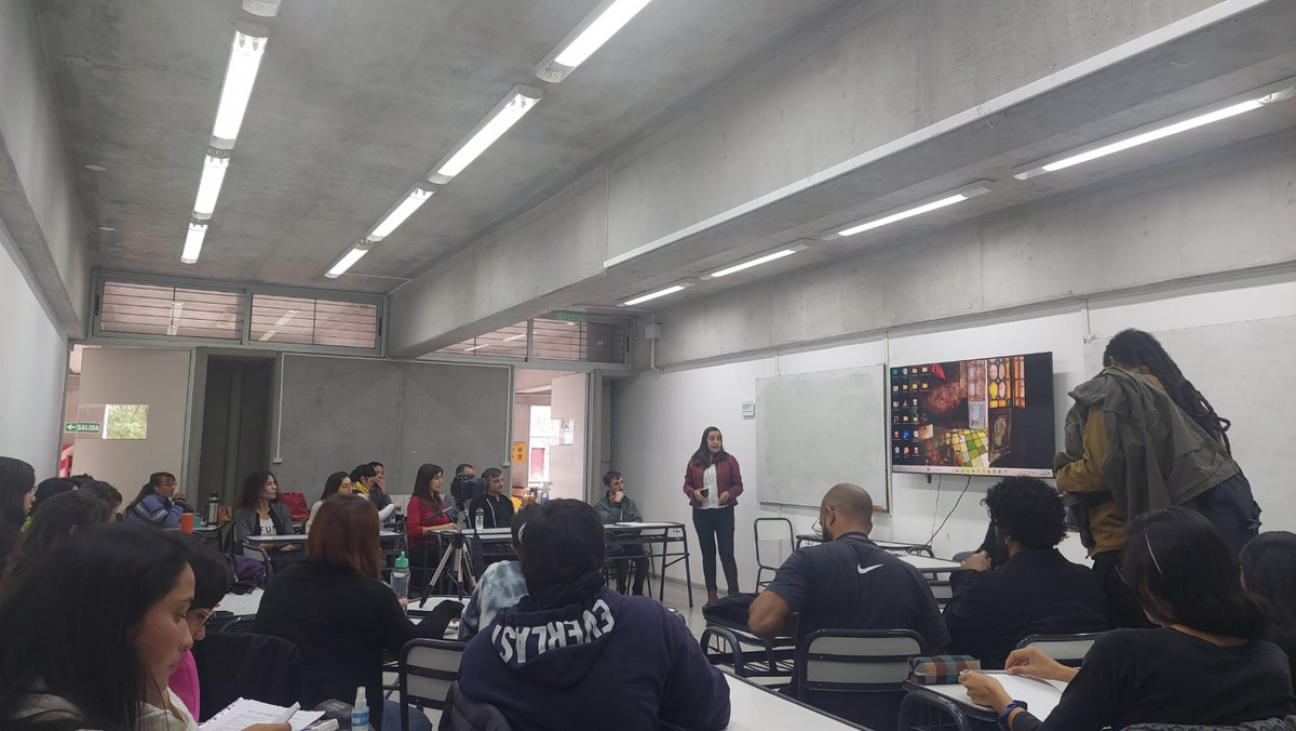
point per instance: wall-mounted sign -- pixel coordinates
(519, 452)
(82, 427)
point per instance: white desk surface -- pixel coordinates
(241, 605)
(753, 707)
(1040, 707)
(923, 563)
(385, 535)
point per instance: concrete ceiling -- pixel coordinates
(353, 104)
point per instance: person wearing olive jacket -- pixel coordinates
(713, 482)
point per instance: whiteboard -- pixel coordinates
(815, 430)
(1241, 369)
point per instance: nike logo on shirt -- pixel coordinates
(864, 570)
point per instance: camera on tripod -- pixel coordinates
(465, 488)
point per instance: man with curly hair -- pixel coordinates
(1036, 591)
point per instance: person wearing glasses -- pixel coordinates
(1206, 664)
(211, 582)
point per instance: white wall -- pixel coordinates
(658, 418)
(31, 371)
(154, 376)
(567, 461)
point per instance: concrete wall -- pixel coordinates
(31, 373)
(153, 376)
(658, 418)
(38, 198)
(341, 412)
(1224, 213)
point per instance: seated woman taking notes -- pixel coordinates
(1207, 664)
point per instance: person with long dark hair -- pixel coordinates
(17, 485)
(107, 493)
(1207, 664)
(1150, 439)
(338, 482)
(427, 514)
(259, 512)
(1269, 572)
(60, 517)
(47, 489)
(334, 607)
(159, 503)
(713, 482)
(63, 667)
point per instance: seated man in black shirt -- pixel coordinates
(496, 507)
(1036, 591)
(847, 582)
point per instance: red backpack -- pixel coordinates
(296, 504)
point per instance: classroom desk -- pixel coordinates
(383, 536)
(889, 546)
(929, 565)
(754, 708)
(246, 605)
(648, 533)
(241, 605)
(953, 701)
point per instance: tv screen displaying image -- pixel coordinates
(988, 416)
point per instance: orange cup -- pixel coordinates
(186, 522)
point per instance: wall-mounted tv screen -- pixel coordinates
(989, 416)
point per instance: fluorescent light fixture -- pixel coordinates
(596, 29)
(193, 242)
(209, 187)
(347, 260)
(649, 296)
(240, 75)
(491, 128)
(1159, 130)
(779, 253)
(416, 198)
(947, 199)
(174, 327)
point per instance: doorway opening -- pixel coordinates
(549, 433)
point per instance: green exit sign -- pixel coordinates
(569, 316)
(82, 427)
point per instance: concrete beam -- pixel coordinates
(38, 199)
(1226, 213)
(516, 275)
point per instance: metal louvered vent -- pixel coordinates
(305, 321)
(147, 309)
(509, 342)
(586, 342)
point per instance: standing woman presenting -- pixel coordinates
(713, 483)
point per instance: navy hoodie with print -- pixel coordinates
(608, 660)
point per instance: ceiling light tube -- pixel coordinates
(193, 242)
(1231, 107)
(767, 257)
(403, 210)
(347, 260)
(174, 327)
(209, 186)
(596, 29)
(946, 199)
(240, 76)
(505, 114)
(648, 296)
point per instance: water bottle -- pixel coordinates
(481, 519)
(544, 495)
(213, 509)
(400, 576)
(360, 712)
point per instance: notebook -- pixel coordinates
(1042, 696)
(243, 713)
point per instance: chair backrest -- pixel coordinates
(856, 660)
(462, 713)
(427, 669)
(778, 539)
(298, 510)
(1067, 649)
(257, 553)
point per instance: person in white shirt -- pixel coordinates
(713, 482)
(338, 482)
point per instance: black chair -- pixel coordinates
(236, 665)
(782, 536)
(427, 670)
(1070, 650)
(856, 674)
(462, 713)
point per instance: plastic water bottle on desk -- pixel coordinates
(544, 495)
(481, 519)
(360, 712)
(400, 576)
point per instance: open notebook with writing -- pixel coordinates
(243, 713)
